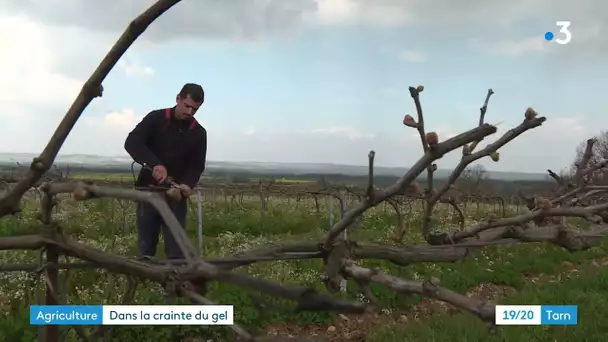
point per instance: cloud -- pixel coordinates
(495, 24)
(396, 13)
(33, 93)
(111, 129)
(413, 56)
(586, 42)
(519, 47)
(123, 121)
(243, 18)
(495, 27)
(43, 69)
(134, 67)
(249, 131)
(347, 132)
(25, 66)
(379, 13)
(234, 19)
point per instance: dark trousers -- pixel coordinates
(149, 223)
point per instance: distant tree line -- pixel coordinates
(474, 179)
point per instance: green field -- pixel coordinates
(127, 177)
(103, 176)
(517, 274)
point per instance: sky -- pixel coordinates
(321, 81)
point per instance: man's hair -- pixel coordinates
(196, 92)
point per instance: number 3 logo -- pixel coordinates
(563, 25)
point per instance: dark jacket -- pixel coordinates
(171, 143)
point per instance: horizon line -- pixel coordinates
(271, 162)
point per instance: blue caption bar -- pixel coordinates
(66, 314)
(558, 315)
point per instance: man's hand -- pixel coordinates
(178, 192)
(159, 173)
(174, 194)
(185, 190)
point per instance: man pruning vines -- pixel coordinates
(172, 147)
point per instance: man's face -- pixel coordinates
(185, 108)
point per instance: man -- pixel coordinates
(171, 143)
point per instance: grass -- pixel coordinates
(587, 290)
(109, 225)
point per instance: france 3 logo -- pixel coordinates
(564, 30)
